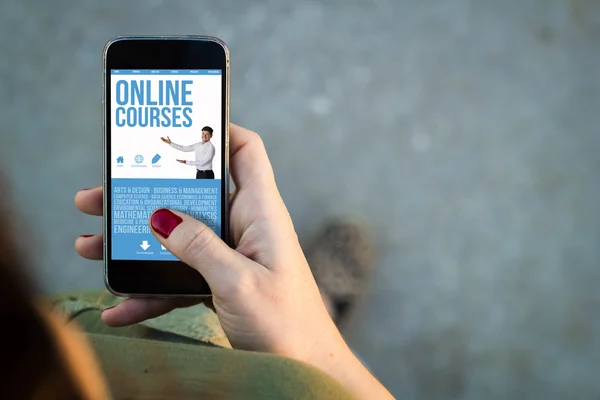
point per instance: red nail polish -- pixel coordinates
(86, 236)
(164, 221)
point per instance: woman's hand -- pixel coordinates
(263, 291)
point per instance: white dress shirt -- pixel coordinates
(205, 152)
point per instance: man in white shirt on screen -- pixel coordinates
(205, 152)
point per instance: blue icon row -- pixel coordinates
(139, 159)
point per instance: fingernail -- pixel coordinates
(86, 236)
(108, 308)
(164, 221)
(86, 189)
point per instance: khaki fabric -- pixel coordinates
(185, 355)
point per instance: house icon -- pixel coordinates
(120, 160)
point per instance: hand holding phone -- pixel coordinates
(263, 291)
(262, 288)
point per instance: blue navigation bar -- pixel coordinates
(165, 72)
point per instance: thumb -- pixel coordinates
(198, 246)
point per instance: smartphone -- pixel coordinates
(166, 145)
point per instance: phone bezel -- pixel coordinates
(160, 278)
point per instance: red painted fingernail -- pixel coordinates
(86, 236)
(164, 221)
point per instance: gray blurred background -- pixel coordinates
(465, 131)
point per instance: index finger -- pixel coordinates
(136, 310)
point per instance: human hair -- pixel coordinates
(32, 366)
(208, 129)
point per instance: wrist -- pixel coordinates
(357, 379)
(338, 361)
(330, 351)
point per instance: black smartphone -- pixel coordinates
(166, 145)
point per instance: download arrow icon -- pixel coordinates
(144, 245)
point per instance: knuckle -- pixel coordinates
(256, 140)
(197, 242)
(241, 284)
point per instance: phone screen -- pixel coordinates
(166, 152)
